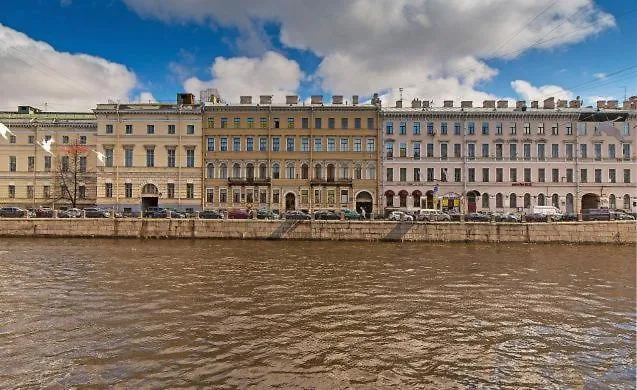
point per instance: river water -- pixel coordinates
(324, 315)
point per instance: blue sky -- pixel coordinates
(161, 48)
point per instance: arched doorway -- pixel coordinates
(527, 201)
(150, 196)
(590, 201)
(612, 202)
(555, 200)
(402, 196)
(389, 198)
(416, 195)
(364, 201)
(472, 198)
(290, 201)
(541, 200)
(570, 204)
(429, 200)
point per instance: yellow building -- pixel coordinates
(291, 156)
(30, 176)
(152, 155)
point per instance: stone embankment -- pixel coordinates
(613, 232)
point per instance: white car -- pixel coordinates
(400, 216)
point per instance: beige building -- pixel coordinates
(152, 155)
(32, 177)
(291, 156)
(502, 158)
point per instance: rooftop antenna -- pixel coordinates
(401, 93)
(624, 93)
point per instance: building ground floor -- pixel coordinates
(481, 197)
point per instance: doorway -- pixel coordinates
(290, 201)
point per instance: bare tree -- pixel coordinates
(72, 174)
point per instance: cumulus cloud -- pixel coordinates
(145, 97)
(34, 73)
(526, 91)
(381, 45)
(271, 74)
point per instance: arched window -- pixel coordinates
(416, 195)
(223, 171)
(485, 201)
(513, 201)
(344, 171)
(358, 172)
(318, 172)
(276, 171)
(389, 196)
(402, 195)
(289, 171)
(236, 170)
(527, 201)
(305, 171)
(570, 204)
(612, 202)
(371, 172)
(499, 201)
(541, 200)
(210, 171)
(263, 171)
(627, 202)
(250, 171)
(555, 200)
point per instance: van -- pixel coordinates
(555, 213)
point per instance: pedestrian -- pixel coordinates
(363, 212)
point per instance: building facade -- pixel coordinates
(31, 176)
(292, 156)
(152, 155)
(509, 159)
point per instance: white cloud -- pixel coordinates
(599, 75)
(368, 46)
(145, 97)
(592, 100)
(34, 73)
(271, 74)
(526, 91)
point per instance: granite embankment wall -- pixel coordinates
(615, 232)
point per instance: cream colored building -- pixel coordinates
(291, 156)
(32, 177)
(152, 155)
(502, 158)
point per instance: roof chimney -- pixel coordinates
(601, 104)
(416, 103)
(488, 104)
(447, 103)
(574, 104)
(549, 103)
(611, 104)
(316, 99)
(561, 104)
(245, 99)
(520, 104)
(185, 98)
(354, 99)
(425, 103)
(399, 104)
(265, 99)
(337, 99)
(291, 99)
(466, 104)
(503, 104)
(535, 104)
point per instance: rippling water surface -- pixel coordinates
(257, 314)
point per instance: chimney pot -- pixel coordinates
(265, 99)
(354, 99)
(448, 103)
(291, 99)
(316, 99)
(245, 99)
(337, 99)
(466, 104)
(503, 104)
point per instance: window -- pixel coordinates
(471, 151)
(416, 148)
(498, 151)
(210, 195)
(513, 201)
(626, 152)
(569, 175)
(223, 171)
(456, 128)
(108, 190)
(236, 170)
(527, 128)
(31, 139)
(223, 195)
(611, 151)
(318, 123)
(263, 122)
(318, 172)
(541, 175)
(150, 157)
(81, 192)
(627, 176)
(65, 163)
(403, 174)
(555, 175)
(331, 144)
(389, 128)
(83, 165)
(581, 128)
(471, 128)
(46, 192)
(211, 144)
(569, 129)
(190, 129)
(250, 123)
(305, 144)
(371, 145)
(290, 123)
(331, 123)
(555, 150)
(276, 144)
(357, 123)
(555, 130)
(263, 171)
(403, 149)
(250, 144)
(499, 175)
(344, 171)
(499, 201)
(305, 123)
(485, 150)
(263, 144)
(190, 158)
(276, 171)
(236, 144)
(128, 190)
(583, 175)
(210, 171)
(430, 174)
(318, 144)
(190, 191)
(172, 159)
(513, 130)
(390, 174)
(11, 191)
(211, 123)
(471, 175)
(47, 163)
(457, 150)
(598, 175)
(389, 150)
(150, 129)
(626, 132)
(416, 128)
(443, 174)
(224, 123)
(129, 129)
(485, 175)
(65, 139)
(277, 124)
(457, 175)
(597, 151)
(569, 151)
(443, 128)
(31, 163)
(358, 172)
(513, 175)
(171, 129)
(403, 128)
(224, 144)
(416, 174)
(443, 150)
(109, 129)
(513, 152)
(370, 123)
(371, 172)
(527, 175)
(128, 157)
(540, 128)
(82, 140)
(498, 128)
(358, 147)
(170, 189)
(526, 149)
(430, 128)
(583, 150)
(305, 171)
(612, 176)
(485, 128)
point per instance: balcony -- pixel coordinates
(249, 181)
(331, 182)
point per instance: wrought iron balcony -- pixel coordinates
(249, 181)
(331, 182)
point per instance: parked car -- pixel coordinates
(298, 215)
(210, 214)
(536, 217)
(351, 215)
(326, 215)
(454, 215)
(555, 213)
(477, 217)
(267, 214)
(569, 217)
(433, 215)
(400, 216)
(621, 216)
(596, 215)
(150, 211)
(95, 212)
(43, 212)
(70, 213)
(507, 217)
(238, 214)
(13, 212)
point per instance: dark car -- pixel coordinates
(163, 213)
(44, 212)
(453, 215)
(621, 216)
(149, 212)
(477, 217)
(266, 214)
(13, 212)
(298, 215)
(326, 215)
(210, 214)
(351, 215)
(536, 217)
(238, 214)
(94, 212)
(596, 215)
(506, 217)
(569, 217)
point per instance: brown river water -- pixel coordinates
(323, 315)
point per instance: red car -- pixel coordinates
(238, 214)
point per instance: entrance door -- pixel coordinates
(364, 201)
(149, 201)
(290, 201)
(590, 201)
(471, 202)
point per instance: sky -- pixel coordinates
(66, 55)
